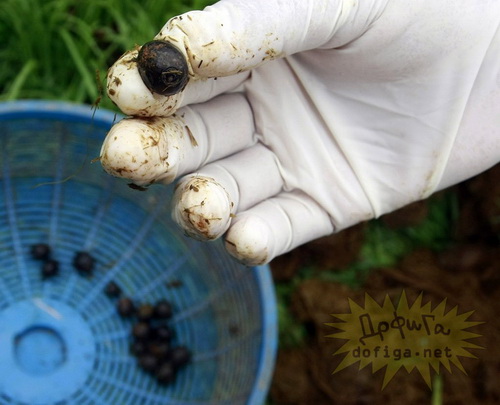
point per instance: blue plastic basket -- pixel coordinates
(61, 339)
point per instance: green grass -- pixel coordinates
(52, 49)
(437, 390)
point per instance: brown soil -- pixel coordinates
(467, 274)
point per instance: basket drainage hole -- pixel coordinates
(39, 350)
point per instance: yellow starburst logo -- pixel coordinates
(406, 336)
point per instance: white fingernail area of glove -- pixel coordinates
(143, 151)
(248, 241)
(202, 208)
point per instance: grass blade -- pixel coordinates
(80, 64)
(20, 80)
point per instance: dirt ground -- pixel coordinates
(466, 273)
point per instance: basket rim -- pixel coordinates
(77, 112)
(62, 110)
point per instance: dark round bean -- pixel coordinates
(125, 307)
(40, 251)
(159, 349)
(84, 262)
(165, 373)
(50, 268)
(148, 362)
(163, 310)
(163, 333)
(162, 67)
(145, 312)
(180, 356)
(112, 290)
(141, 330)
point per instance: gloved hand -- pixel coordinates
(304, 117)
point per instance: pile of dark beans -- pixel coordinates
(151, 335)
(43, 253)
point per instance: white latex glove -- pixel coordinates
(305, 117)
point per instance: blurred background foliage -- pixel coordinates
(61, 49)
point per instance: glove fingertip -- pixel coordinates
(202, 208)
(249, 240)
